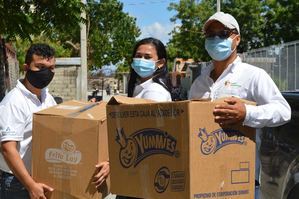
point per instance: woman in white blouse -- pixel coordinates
(148, 80)
(148, 74)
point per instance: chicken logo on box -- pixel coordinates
(144, 143)
(67, 154)
(214, 141)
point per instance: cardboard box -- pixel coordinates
(176, 150)
(68, 141)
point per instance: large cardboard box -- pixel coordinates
(176, 150)
(68, 141)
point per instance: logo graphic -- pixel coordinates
(144, 143)
(162, 179)
(67, 154)
(219, 138)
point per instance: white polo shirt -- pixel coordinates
(247, 82)
(16, 111)
(152, 90)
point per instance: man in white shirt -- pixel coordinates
(228, 76)
(29, 96)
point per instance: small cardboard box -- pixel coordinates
(68, 141)
(176, 150)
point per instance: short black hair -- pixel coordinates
(39, 49)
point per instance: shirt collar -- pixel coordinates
(140, 87)
(147, 83)
(230, 67)
(233, 65)
(28, 93)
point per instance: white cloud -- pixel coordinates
(157, 30)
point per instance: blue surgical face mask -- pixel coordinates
(219, 49)
(144, 67)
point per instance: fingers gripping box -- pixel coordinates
(68, 140)
(176, 150)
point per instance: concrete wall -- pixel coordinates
(64, 83)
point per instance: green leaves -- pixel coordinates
(112, 33)
(32, 17)
(262, 23)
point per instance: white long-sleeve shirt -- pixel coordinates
(247, 82)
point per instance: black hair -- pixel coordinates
(161, 74)
(39, 49)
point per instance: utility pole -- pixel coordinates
(83, 52)
(218, 5)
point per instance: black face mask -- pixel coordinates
(40, 79)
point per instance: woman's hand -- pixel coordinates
(102, 172)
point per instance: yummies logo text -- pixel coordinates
(144, 143)
(214, 141)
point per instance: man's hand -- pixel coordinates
(93, 100)
(233, 112)
(40, 191)
(103, 170)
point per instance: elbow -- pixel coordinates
(288, 113)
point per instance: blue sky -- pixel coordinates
(152, 16)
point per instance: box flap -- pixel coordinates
(77, 109)
(220, 100)
(118, 99)
(64, 109)
(92, 111)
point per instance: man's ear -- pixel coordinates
(238, 39)
(161, 63)
(26, 67)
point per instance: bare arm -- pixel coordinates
(16, 164)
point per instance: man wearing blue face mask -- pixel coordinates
(227, 76)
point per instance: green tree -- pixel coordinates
(281, 22)
(262, 23)
(111, 34)
(25, 19)
(32, 17)
(21, 46)
(187, 40)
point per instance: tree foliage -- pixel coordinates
(281, 22)
(22, 45)
(262, 23)
(33, 17)
(187, 39)
(112, 33)
(26, 18)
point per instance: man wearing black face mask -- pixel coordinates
(29, 96)
(227, 76)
